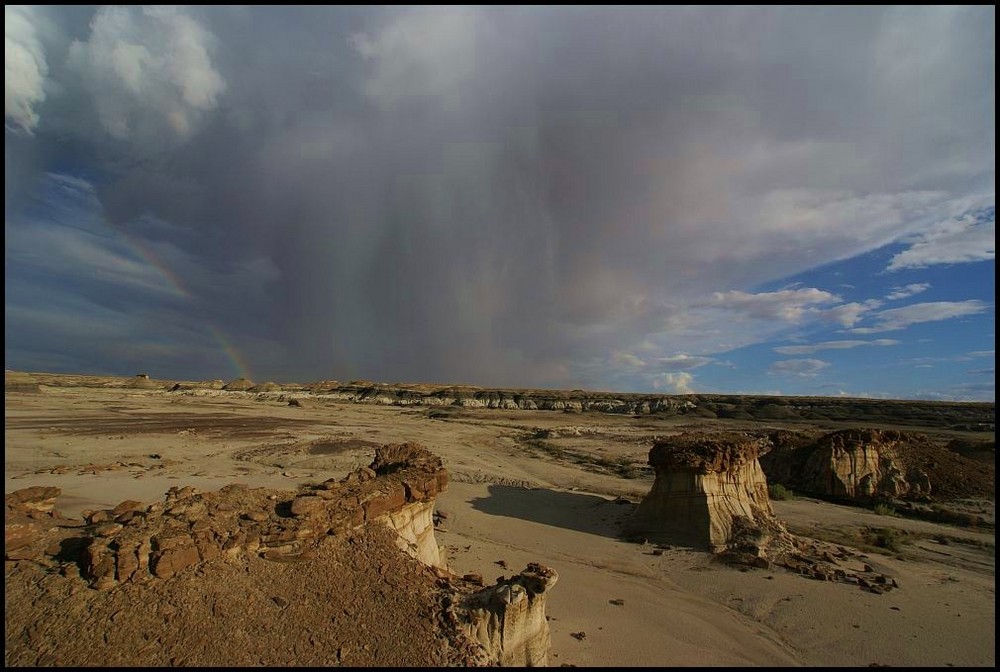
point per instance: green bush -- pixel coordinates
(779, 492)
(888, 538)
(885, 510)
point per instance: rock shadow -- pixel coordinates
(578, 511)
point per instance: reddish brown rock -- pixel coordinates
(178, 558)
(37, 498)
(307, 504)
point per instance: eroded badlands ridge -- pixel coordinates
(710, 493)
(971, 416)
(331, 548)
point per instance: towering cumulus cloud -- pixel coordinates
(148, 71)
(24, 68)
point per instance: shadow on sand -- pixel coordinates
(571, 510)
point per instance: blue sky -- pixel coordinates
(755, 200)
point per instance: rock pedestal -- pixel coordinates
(704, 484)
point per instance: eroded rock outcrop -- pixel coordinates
(868, 464)
(863, 463)
(134, 541)
(508, 620)
(709, 492)
(139, 544)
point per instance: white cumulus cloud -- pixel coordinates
(674, 383)
(25, 69)
(148, 71)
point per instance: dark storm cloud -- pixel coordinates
(502, 195)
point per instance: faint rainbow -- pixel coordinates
(148, 256)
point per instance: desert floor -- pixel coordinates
(511, 503)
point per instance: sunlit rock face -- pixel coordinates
(508, 620)
(857, 464)
(704, 482)
(863, 463)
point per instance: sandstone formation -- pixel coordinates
(872, 464)
(864, 463)
(19, 382)
(709, 493)
(140, 547)
(266, 387)
(508, 620)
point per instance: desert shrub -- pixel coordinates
(779, 492)
(885, 510)
(889, 538)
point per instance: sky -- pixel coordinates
(718, 200)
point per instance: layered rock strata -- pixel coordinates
(508, 620)
(709, 492)
(865, 463)
(861, 464)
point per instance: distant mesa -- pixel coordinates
(17, 381)
(239, 385)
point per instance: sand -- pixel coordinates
(512, 505)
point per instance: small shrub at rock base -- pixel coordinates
(885, 510)
(779, 492)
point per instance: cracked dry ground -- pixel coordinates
(359, 602)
